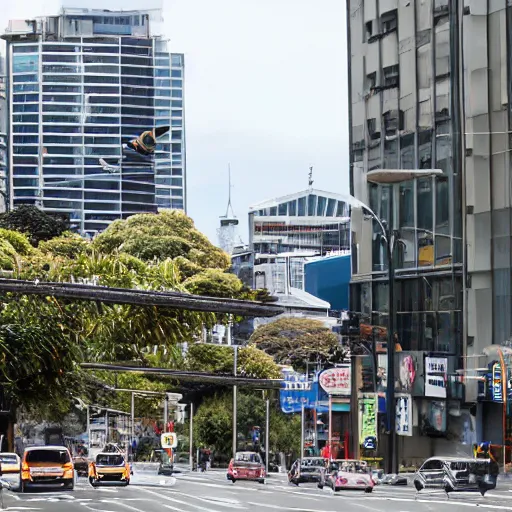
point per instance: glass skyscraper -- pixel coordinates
(80, 85)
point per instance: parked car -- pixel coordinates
(165, 462)
(246, 466)
(109, 467)
(347, 474)
(308, 470)
(47, 466)
(11, 467)
(394, 479)
(457, 474)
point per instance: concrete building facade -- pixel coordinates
(79, 85)
(430, 87)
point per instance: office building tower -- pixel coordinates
(430, 88)
(3, 137)
(79, 85)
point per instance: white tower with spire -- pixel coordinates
(227, 231)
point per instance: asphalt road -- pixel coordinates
(211, 492)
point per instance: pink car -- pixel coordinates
(347, 474)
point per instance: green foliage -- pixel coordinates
(19, 241)
(68, 245)
(296, 341)
(214, 283)
(169, 234)
(214, 417)
(37, 224)
(8, 256)
(251, 362)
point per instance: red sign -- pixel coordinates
(336, 381)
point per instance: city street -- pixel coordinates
(192, 492)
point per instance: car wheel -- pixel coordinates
(368, 489)
(336, 489)
(69, 485)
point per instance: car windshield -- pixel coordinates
(317, 463)
(349, 466)
(50, 456)
(109, 460)
(8, 459)
(248, 457)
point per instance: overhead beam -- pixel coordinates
(223, 380)
(173, 300)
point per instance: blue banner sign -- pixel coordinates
(297, 390)
(496, 386)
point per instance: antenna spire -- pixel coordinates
(230, 206)
(310, 177)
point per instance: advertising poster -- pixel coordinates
(436, 376)
(406, 372)
(403, 414)
(368, 418)
(382, 372)
(337, 381)
(297, 390)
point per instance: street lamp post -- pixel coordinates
(390, 238)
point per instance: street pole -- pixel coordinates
(235, 435)
(302, 432)
(391, 460)
(133, 419)
(504, 379)
(88, 430)
(191, 440)
(107, 421)
(166, 412)
(330, 427)
(267, 436)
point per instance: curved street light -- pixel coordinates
(390, 238)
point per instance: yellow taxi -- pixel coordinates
(109, 468)
(50, 466)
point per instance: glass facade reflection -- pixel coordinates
(403, 119)
(78, 90)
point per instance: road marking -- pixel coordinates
(174, 500)
(279, 507)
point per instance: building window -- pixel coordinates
(369, 29)
(372, 130)
(371, 80)
(302, 206)
(388, 21)
(391, 76)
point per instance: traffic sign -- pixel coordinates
(169, 440)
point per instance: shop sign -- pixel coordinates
(368, 422)
(169, 440)
(336, 381)
(436, 376)
(403, 415)
(497, 387)
(297, 391)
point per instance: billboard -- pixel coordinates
(368, 410)
(297, 390)
(436, 376)
(337, 381)
(403, 415)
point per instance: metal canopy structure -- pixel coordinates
(212, 378)
(174, 300)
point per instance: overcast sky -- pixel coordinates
(265, 91)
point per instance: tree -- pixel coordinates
(296, 341)
(214, 283)
(252, 363)
(213, 423)
(32, 221)
(168, 234)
